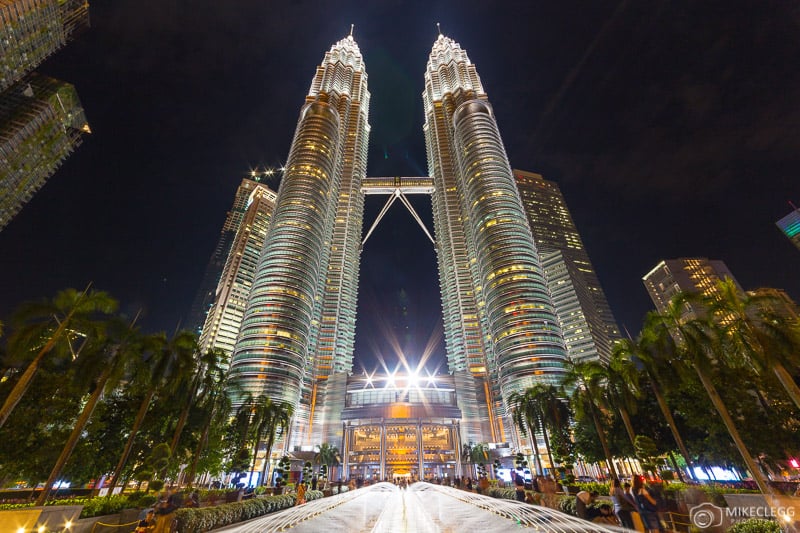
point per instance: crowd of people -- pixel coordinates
(158, 519)
(626, 500)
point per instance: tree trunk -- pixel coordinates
(253, 463)
(535, 448)
(80, 424)
(662, 403)
(626, 421)
(201, 445)
(788, 383)
(549, 453)
(265, 469)
(711, 390)
(137, 423)
(603, 441)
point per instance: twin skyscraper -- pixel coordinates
(297, 333)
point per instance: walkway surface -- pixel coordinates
(422, 508)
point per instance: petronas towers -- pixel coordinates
(298, 330)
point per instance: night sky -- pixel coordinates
(672, 127)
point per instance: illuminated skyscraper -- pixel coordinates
(689, 275)
(790, 226)
(586, 320)
(224, 317)
(41, 123)
(206, 295)
(297, 337)
(32, 30)
(300, 320)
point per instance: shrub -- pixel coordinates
(206, 518)
(566, 504)
(593, 486)
(503, 493)
(755, 525)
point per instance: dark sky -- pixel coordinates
(672, 127)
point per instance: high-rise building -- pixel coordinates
(299, 325)
(32, 30)
(206, 294)
(297, 337)
(585, 317)
(41, 119)
(41, 123)
(224, 317)
(499, 320)
(790, 226)
(685, 275)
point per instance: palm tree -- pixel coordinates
(191, 376)
(701, 346)
(162, 362)
(622, 388)
(54, 324)
(526, 415)
(217, 404)
(648, 351)
(112, 355)
(279, 415)
(753, 330)
(553, 412)
(327, 455)
(585, 381)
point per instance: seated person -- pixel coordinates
(605, 515)
(582, 502)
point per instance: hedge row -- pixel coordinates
(206, 518)
(97, 506)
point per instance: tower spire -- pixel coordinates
(439, 29)
(351, 30)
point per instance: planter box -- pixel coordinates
(53, 517)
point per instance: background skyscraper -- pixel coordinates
(41, 123)
(206, 294)
(585, 317)
(224, 317)
(41, 119)
(689, 275)
(790, 226)
(32, 30)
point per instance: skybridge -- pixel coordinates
(397, 188)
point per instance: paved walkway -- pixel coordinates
(422, 508)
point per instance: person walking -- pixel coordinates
(647, 504)
(301, 494)
(519, 487)
(624, 504)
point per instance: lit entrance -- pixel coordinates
(395, 432)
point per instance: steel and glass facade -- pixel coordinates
(32, 30)
(697, 275)
(587, 324)
(224, 318)
(41, 123)
(207, 293)
(790, 226)
(297, 333)
(299, 324)
(499, 318)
